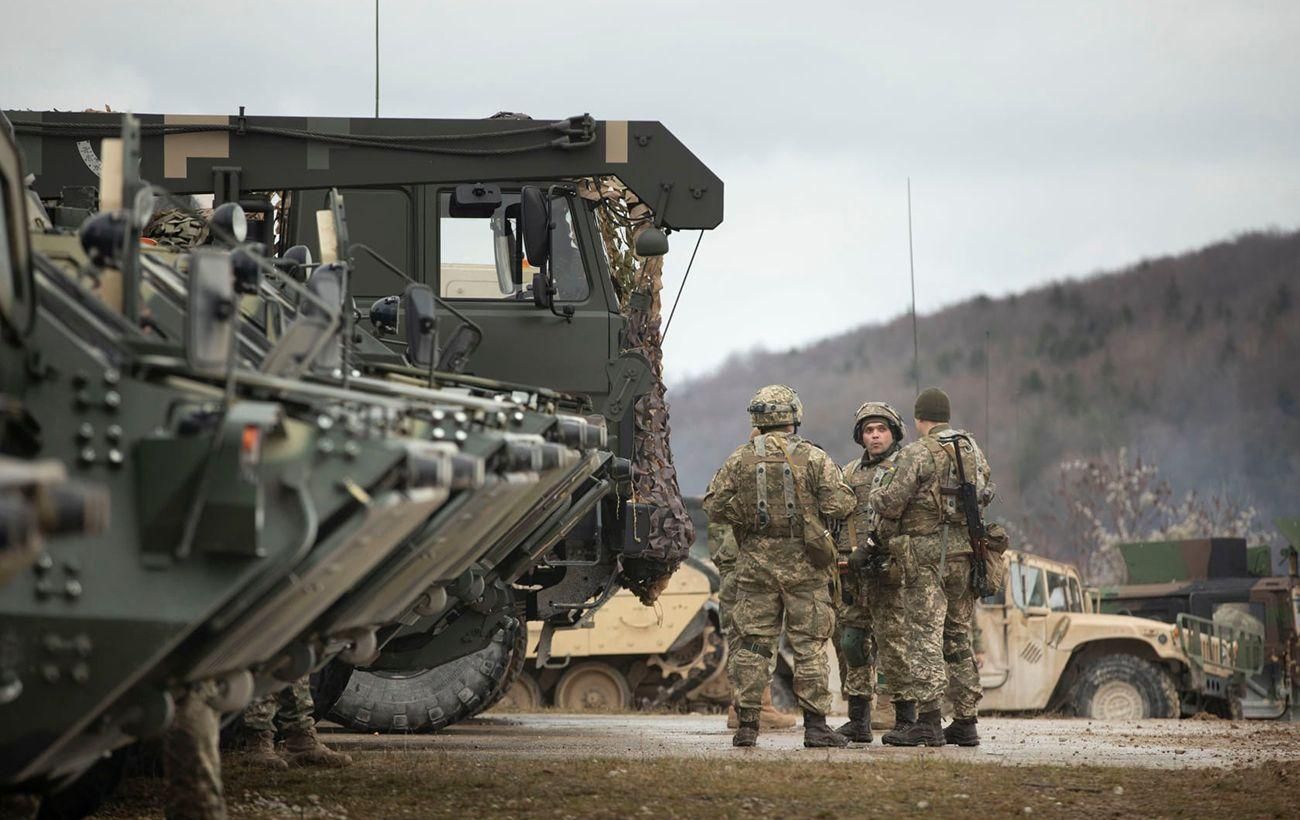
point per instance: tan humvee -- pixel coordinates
(632, 655)
(1040, 645)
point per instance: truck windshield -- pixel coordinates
(1027, 585)
(471, 248)
(1063, 593)
(6, 261)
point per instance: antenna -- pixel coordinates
(376, 59)
(986, 387)
(911, 264)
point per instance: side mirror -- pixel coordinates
(542, 296)
(535, 223)
(209, 320)
(651, 242)
(417, 307)
(503, 253)
(326, 282)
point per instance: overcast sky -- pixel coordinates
(1043, 140)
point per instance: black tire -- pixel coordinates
(424, 700)
(517, 635)
(327, 687)
(1124, 687)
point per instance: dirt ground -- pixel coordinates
(555, 765)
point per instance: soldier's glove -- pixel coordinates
(860, 560)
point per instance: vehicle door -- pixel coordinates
(1030, 680)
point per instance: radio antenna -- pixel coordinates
(911, 264)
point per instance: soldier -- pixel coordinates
(919, 493)
(192, 758)
(723, 549)
(775, 491)
(291, 710)
(870, 613)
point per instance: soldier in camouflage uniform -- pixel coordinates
(290, 710)
(869, 600)
(192, 758)
(776, 583)
(919, 492)
(724, 552)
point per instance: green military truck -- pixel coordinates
(1213, 584)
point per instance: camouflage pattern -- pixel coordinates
(724, 552)
(917, 492)
(964, 690)
(771, 554)
(808, 616)
(192, 759)
(774, 406)
(177, 228)
(776, 584)
(857, 642)
(288, 710)
(655, 479)
(881, 410)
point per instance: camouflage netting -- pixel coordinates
(638, 283)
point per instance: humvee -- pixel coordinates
(1041, 645)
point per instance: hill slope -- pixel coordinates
(1191, 361)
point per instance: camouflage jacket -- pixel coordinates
(723, 550)
(756, 493)
(919, 488)
(861, 476)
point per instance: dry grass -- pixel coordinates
(436, 784)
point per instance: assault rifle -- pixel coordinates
(968, 500)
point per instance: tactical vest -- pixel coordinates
(862, 479)
(936, 502)
(767, 486)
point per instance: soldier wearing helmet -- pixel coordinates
(870, 623)
(777, 492)
(918, 495)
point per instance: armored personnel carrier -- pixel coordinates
(291, 491)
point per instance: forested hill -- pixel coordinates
(1191, 362)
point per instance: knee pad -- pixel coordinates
(853, 646)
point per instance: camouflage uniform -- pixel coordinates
(722, 545)
(288, 710)
(919, 492)
(192, 759)
(774, 579)
(873, 602)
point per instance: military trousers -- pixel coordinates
(855, 638)
(290, 709)
(192, 759)
(964, 690)
(890, 628)
(808, 616)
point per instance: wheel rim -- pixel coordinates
(1117, 700)
(522, 696)
(593, 688)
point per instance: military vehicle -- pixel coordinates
(326, 495)
(1219, 584)
(628, 655)
(1041, 646)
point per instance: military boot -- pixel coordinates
(904, 719)
(305, 749)
(926, 731)
(858, 729)
(769, 717)
(817, 735)
(961, 732)
(261, 752)
(747, 734)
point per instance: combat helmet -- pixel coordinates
(878, 410)
(775, 406)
